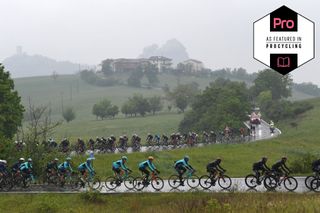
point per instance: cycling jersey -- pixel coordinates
(316, 165)
(119, 164)
(280, 165)
(147, 164)
(52, 166)
(86, 166)
(260, 165)
(25, 166)
(65, 166)
(16, 167)
(214, 165)
(182, 163)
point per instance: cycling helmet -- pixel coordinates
(4, 161)
(68, 158)
(56, 159)
(124, 158)
(21, 159)
(186, 157)
(150, 158)
(264, 158)
(218, 159)
(29, 160)
(284, 158)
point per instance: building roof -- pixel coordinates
(159, 58)
(192, 60)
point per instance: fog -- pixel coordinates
(219, 33)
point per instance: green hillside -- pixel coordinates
(70, 90)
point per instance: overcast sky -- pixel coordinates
(219, 33)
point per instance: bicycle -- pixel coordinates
(252, 181)
(207, 181)
(274, 180)
(156, 182)
(309, 179)
(115, 181)
(191, 179)
(90, 180)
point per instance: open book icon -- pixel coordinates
(283, 62)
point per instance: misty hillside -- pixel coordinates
(23, 65)
(171, 49)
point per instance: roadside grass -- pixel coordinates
(161, 202)
(237, 158)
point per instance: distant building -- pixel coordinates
(162, 63)
(127, 65)
(191, 65)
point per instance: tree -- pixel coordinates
(69, 114)
(181, 102)
(134, 79)
(151, 74)
(11, 109)
(183, 95)
(113, 111)
(140, 104)
(104, 109)
(222, 103)
(155, 104)
(106, 67)
(279, 85)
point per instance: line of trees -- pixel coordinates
(138, 105)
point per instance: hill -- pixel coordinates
(70, 90)
(22, 64)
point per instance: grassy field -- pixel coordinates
(237, 158)
(70, 90)
(172, 202)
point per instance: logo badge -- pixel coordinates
(283, 40)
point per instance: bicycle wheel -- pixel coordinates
(95, 183)
(174, 181)
(308, 180)
(205, 182)
(225, 182)
(193, 181)
(290, 183)
(270, 182)
(315, 185)
(129, 182)
(251, 181)
(111, 183)
(139, 183)
(157, 183)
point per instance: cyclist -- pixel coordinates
(260, 166)
(181, 166)
(52, 167)
(165, 139)
(87, 166)
(26, 168)
(65, 167)
(214, 167)
(120, 165)
(81, 145)
(149, 138)
(16, 167)
(157, 138)
(271, 126)
(147, 164)
(91, 143)
(280, 167)
(3, 167)
(316, 166)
